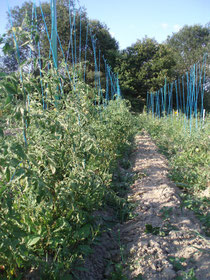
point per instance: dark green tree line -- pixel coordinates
(144, 67)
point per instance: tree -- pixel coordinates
(143, 67)
(189, 46)
(107, 44)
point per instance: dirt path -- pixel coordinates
(172, 232)
(163, 241)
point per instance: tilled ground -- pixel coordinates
(163, 241)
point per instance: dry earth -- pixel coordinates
(174, 245)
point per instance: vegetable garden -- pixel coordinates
(64, 128)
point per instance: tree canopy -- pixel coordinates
(107, 44)
(189, 46)
(144, 66)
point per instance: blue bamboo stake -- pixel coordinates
(177, 100)
(200, 87)
(184, 108)
(203, 87)
(98, 75)
(188, 96)
(53, 32)
(48, 37)
(180, 95)
(68, 50)
(159, 104)
(80, 39)
(169, 100)
(107, 80)
(30, 53)
(183, 95)
(95, 59)
(147, 102)
(71, 36)
(193, 89)
(196, 95)
(44, 105)
(156, 103)
(162, 101)
(152, 102)
(118, 88)
(66, 66)
(165, 96)
(86, 44)
(111, 83)
(75, 38)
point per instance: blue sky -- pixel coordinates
(129, 20)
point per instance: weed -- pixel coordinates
(188, 275)
(118, 274)
(166, 212)
(162, 231)
(177, 263)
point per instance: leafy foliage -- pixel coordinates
(189, 45)
(144, 67)
(51, 187)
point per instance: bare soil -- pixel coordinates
(163, 241)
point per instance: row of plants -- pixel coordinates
(188, 153)
(54, 178)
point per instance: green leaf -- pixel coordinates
(7, 48)
(26, 43)
(14, 162)
(7, 174)
(33, 240)
(32, 47)
(18, 150)
(8, 99)
(19, 172)
(81, 268)
(23, 62)
(83, 232)
(2, 162)
(2, 189)
(1, 132)
(2, 74)
(53, 169)
(36, 38)
(9, 89)
(150, 229)
(85, 249)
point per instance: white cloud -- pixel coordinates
(164, 25)
(176, 27)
